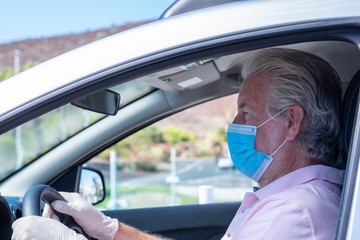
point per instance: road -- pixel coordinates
(190, 172)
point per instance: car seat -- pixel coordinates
(349, 108)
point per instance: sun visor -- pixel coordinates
(189, 76)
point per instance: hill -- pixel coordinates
(205, 117)
(41, 49)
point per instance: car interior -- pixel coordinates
(175, 86)
(224, 70)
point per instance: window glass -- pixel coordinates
(30, 140)
(27, 142)
(180, 160)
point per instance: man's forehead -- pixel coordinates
(252, 92)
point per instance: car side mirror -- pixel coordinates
(92, 185)
(106, 102)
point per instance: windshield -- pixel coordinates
(24, 144)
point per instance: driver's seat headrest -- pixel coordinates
(349, 108)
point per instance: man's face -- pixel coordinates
(252, 111)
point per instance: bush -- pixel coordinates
(174, 136)
(151, 145)
(145, 166)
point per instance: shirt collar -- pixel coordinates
(300, 176)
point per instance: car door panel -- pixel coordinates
(202, 222)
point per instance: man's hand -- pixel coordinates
(94, 222)
(40, 228)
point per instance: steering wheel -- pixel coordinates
(31, 205)
(6, 219)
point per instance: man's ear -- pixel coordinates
(295, 118)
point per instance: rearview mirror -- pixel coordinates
(106, 102)
(92, 185)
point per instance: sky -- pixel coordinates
(25, 19)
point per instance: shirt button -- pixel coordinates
(243, 211)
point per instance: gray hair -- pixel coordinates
(300, 78)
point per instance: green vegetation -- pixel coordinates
(173, 136)
(10, 72)
(6, 74)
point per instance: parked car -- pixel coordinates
(135, 78)
(225, 163)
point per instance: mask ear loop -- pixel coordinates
(272, 117)
(278, 148)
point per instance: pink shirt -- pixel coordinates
(300, 205)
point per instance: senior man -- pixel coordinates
(285, 137)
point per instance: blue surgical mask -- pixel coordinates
(241, 140)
